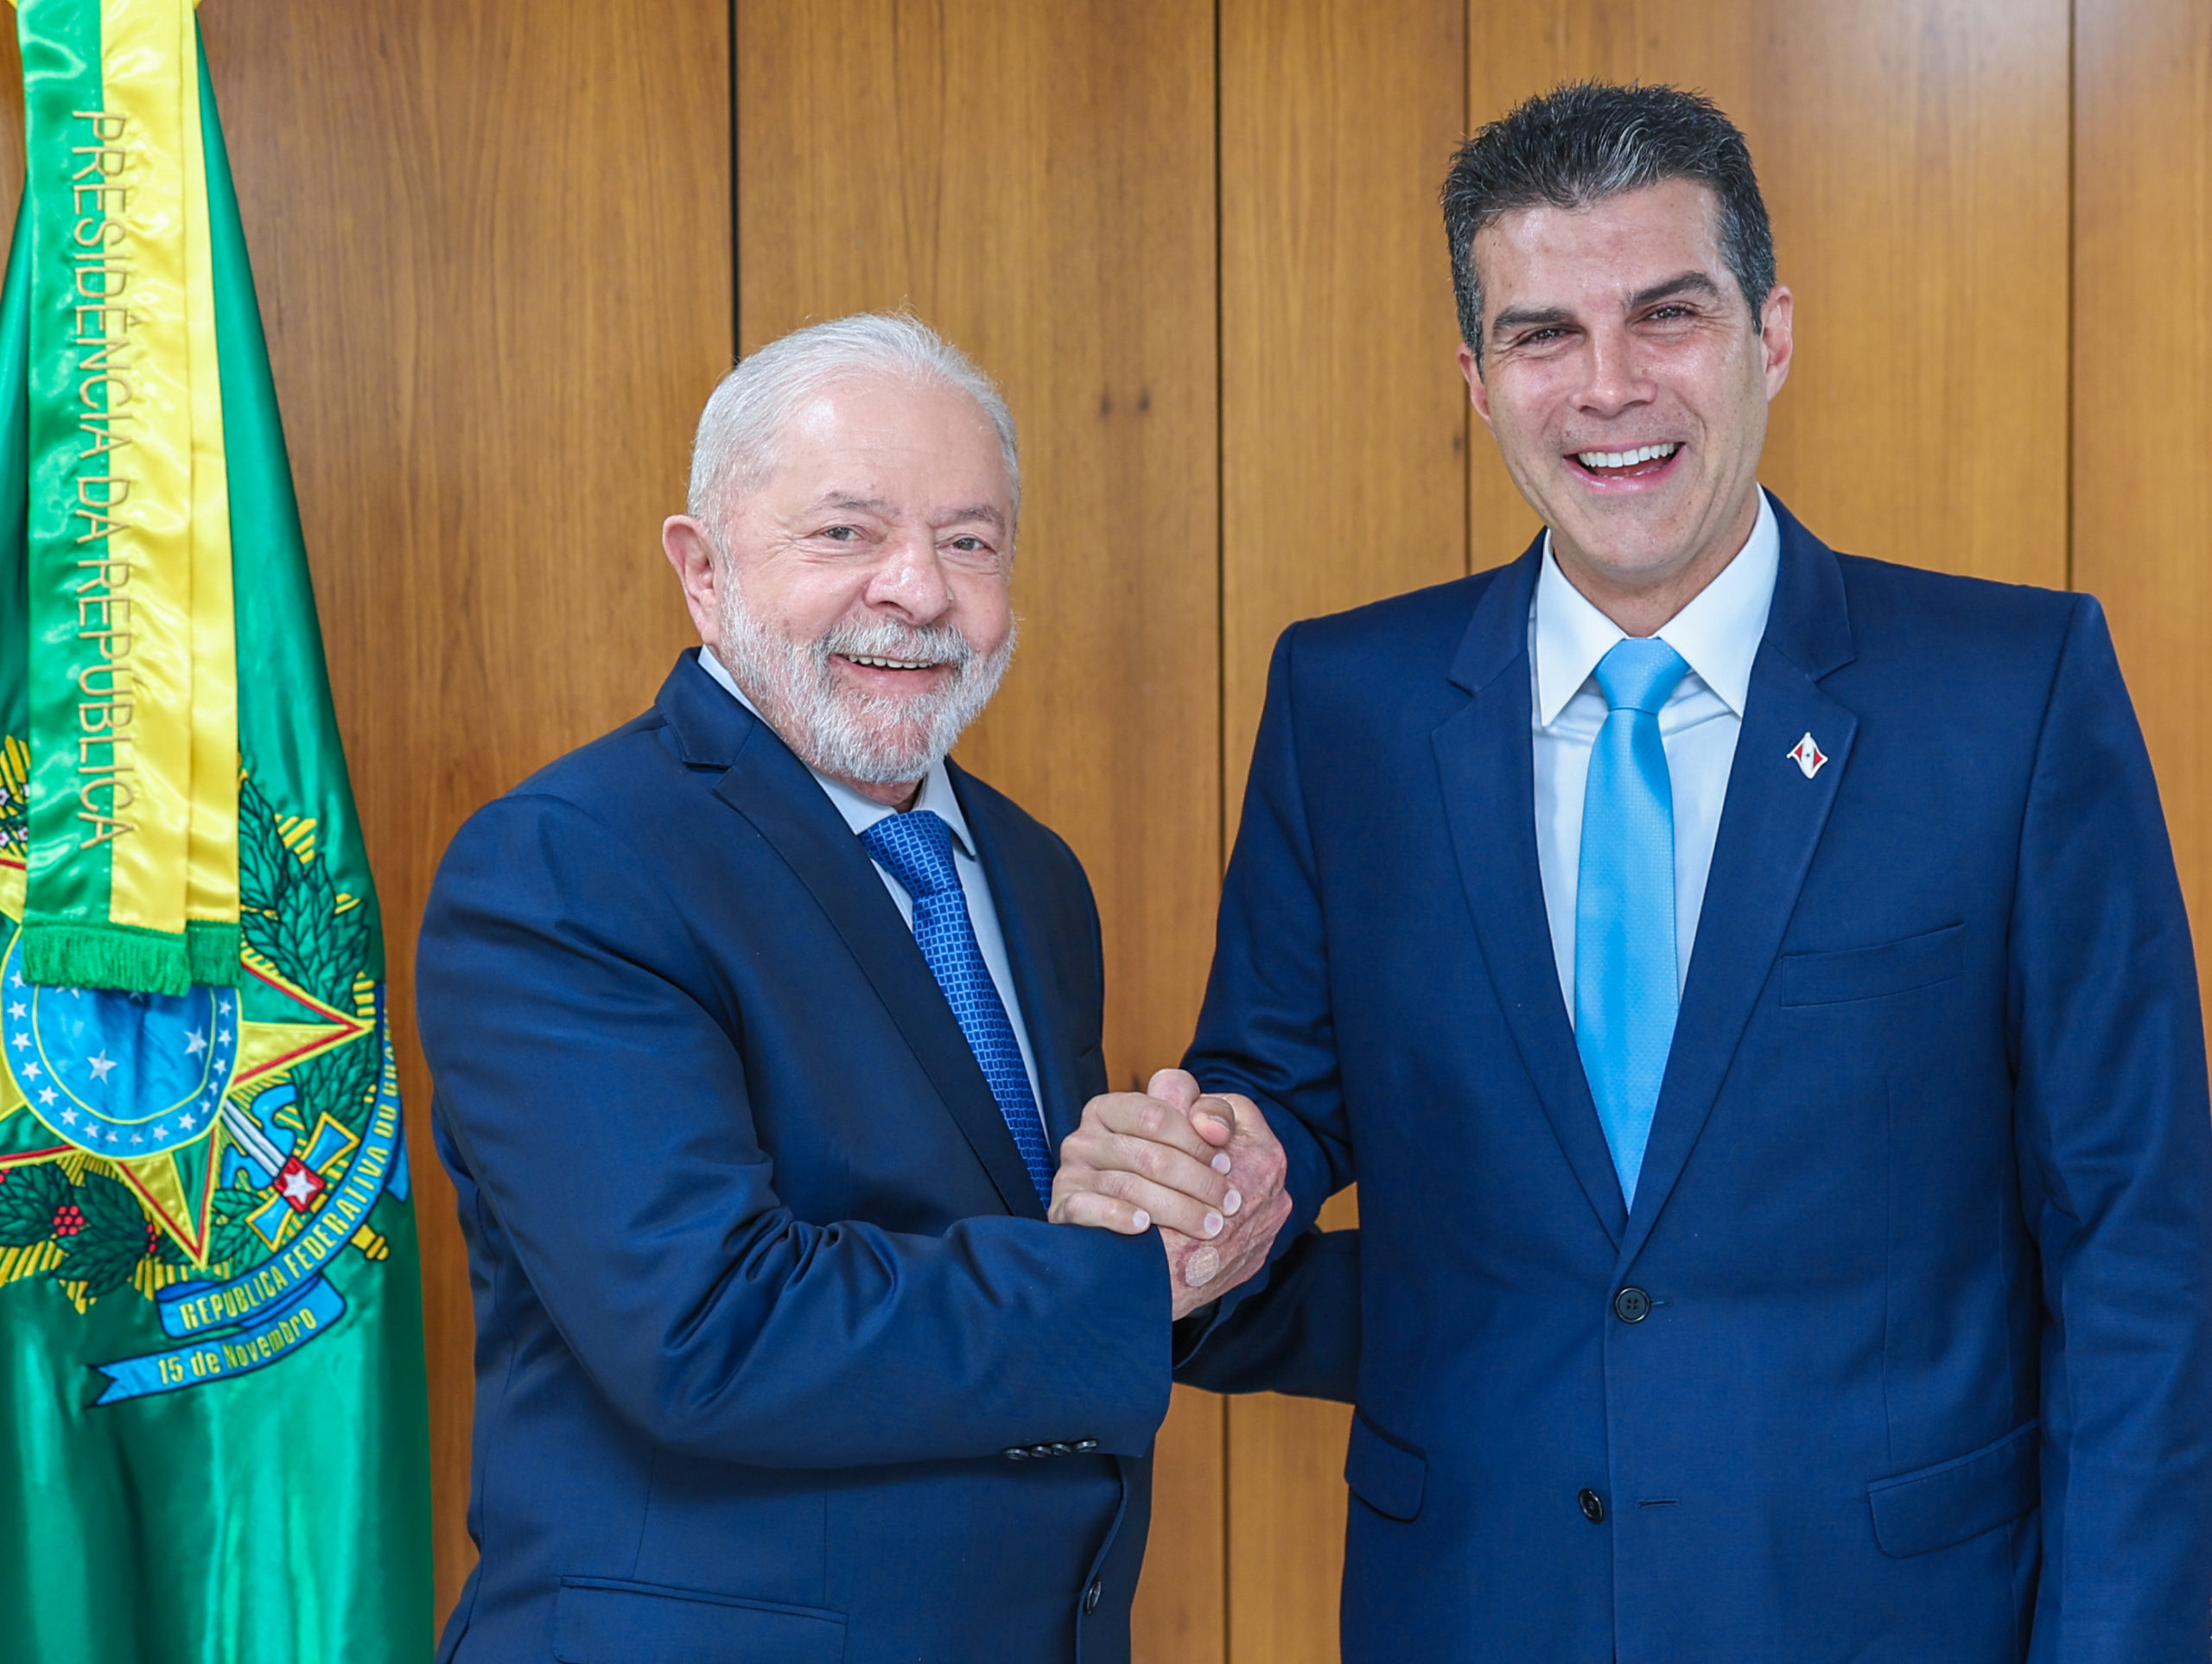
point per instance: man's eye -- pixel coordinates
(841, 534)
(969, 545)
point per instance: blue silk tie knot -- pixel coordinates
(916, 848)
(1625, 989)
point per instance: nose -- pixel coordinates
(909, 580)
(1616, 380)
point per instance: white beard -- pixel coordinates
(866, 738)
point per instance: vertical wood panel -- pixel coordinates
(1343, 419)
(1914, 157)
(2143, 385)
(1344, 431)
(492, 248)
(11, 123)
(1037, 180)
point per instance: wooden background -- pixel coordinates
(1197, 243)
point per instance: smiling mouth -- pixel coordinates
(876, 663)
(1635, 464)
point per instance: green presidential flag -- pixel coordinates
(211, 1352)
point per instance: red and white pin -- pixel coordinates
(1807, 756)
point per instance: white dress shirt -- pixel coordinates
(861, 813)
(1717, 635)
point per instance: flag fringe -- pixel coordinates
(130, 958)
(211, 953)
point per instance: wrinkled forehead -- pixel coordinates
(1611, 249)
(897, 443)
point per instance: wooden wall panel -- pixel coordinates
(1913, 154)
(1038, 181)
(492, 247)
(1345, 429)
(2143, 386)
(11, 125)
(1344, 422)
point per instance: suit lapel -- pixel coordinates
(1024, 904)
(769, 786)
(1770, 825)
(1485, 756)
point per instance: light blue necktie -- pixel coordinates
(1625, 987)
(916, 848)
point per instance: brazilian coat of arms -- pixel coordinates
(209, 1153)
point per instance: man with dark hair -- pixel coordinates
(1588, 142)
(1751, 990)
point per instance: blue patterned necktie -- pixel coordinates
(916, 848)
(1625, 987)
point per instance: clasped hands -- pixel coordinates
(1206, 1168)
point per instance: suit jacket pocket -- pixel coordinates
(602, 1621)
(1933, 1507)
(1917, 962)
(1386, 1475)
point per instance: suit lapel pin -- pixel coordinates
(1807, 756)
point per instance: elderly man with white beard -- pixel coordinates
(754, 1026)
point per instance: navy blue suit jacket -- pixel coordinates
(764, 1295)
(1925, 1223)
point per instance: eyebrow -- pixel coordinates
(978, 511)
(842, 499)
(1686, 283)
(1524, 317)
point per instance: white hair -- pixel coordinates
(745, 417)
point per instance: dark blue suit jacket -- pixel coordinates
(764, 1295)
(1925, 1223)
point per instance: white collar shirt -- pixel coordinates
(937, 797)
(1717, 634)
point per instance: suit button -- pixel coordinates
(1017, 1454)
(1090, 1595)
(1062, 1449)
(1084, 1446)
(1631, 1305)
(1038, 1452)
(1592, 1505)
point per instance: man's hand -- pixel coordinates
(1207, 1169)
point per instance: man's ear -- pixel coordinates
(692, 554)
(1478, 395)
(1777, 339)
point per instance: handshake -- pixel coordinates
(1206, 1169)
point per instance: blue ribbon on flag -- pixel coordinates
(280, 1331)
